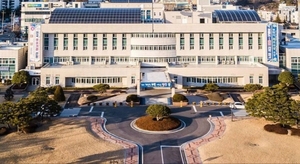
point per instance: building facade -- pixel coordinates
(118, 49)
(12, 59)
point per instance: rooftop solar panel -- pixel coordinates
(237, 16)
(95, 15)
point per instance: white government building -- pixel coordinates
(129, 45)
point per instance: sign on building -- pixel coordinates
(34, 42)
(272, 47)
(155, 85)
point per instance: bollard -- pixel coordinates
(115, 104)
(180, 103)
(131, 103)
(201, 104)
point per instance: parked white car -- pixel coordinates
(237, 105)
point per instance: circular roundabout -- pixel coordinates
(149, 125)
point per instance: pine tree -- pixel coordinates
(59, 94)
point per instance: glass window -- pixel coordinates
(47, 80)
(56, 80)
(260, 79)
(251, 79)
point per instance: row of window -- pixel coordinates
(125, 59)
(211, 79)
(153, 35)
(295, 65)
(124, 41)
(221, 39)
(98, 80)
(7, 60)
(153, 47)
(251, 79)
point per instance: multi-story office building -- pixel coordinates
(39, 12)
(9, 4)
(119, 46)
(12, 59)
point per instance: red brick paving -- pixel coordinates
(131, 150)
(191, 148)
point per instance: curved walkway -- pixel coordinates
(217, 129)
(131, 149)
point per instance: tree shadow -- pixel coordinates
(115, 157)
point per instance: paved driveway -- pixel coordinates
(157, 148)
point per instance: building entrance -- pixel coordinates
(35, 81)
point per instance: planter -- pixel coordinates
(180, 103)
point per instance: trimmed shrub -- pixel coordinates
(215, 96)
(211, 87)
(179, 97)
(276, 128)
(132, 97)
(295, 132)
(149, 123)
(59, 94)
(3, 131)
(92, 98)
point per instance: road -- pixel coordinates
(157, 148)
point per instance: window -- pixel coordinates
(55, 42)
(124, 42)
(201, 41)
(56, 80)
(220, 41)
(148, 14)
(85, 42)
(251, 79)
(260, 79)
(65, 42)
(104, 42)
(202, 20)
(250, 41)
(192, 44)
(132, 79)
(95, 42)
(240, 41)
(75, 42)
(114, 42)
(259, 40)
(47, 80)
(211, 41)
(46, 41)
(230, 41)
(181, 41)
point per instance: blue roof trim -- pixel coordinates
(95, 16)
(237, 16)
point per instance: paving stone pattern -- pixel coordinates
(191, 148)
(131, 150)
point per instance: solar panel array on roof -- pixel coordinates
(95, 15)
(130, 1)
(237, 16)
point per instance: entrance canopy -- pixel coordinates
(155, 80)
